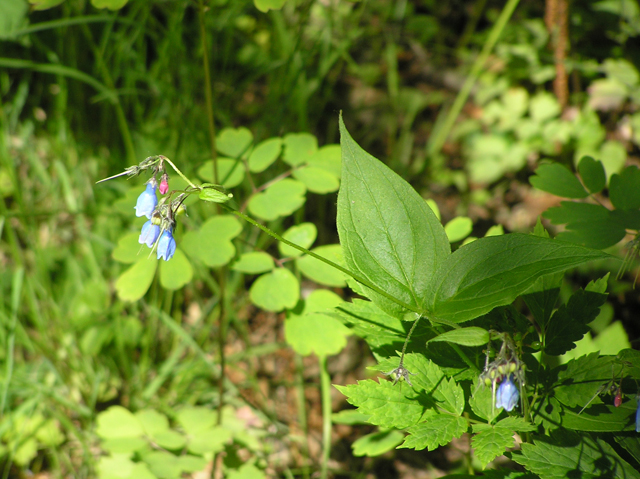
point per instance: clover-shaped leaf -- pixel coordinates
(303, 235)
(275, 291)
(254, 262)
(264, 154)
(280, 199)
(299, 148)
(320, 272)
(212, 243)
(234, 142)
(230, 172)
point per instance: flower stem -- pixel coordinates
(177, 170)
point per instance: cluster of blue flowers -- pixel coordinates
(506, 371)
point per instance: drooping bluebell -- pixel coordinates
(166, 246)
(147, 201)
(149, 234)
(508, 394)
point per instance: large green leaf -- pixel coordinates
(437, 430)
(556, 179)
(135, 281)
(387, 231)
(494, 271)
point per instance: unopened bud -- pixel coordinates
(164, 184)
(512, 367)
(618, 399)
(487, 381)
(500, 369)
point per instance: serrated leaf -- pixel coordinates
(299, 148)
(490, 442)
(556, 179)
(254, 262)
(280, 199)
(624, 189)
(580, 379)
(592, 174)
(387, 405)
(567, 453)
(317, 180)
(176, 273)
(303, 235)
(264, 154)
(493, 271)
(472, 336)
(118, 422)
(377, 443)
(387, 231)
(320, 272)
(275, 291)
(316, 333)
(233, 142)
(601, 418)
(458, 228)
(438, 430)
(135, 281)
(482, 402)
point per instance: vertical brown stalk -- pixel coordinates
(556, 19)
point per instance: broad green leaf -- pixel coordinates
(387, 231)
(556, 179)
(321, 300)
(280, 199)
(117, 467)
(266, 5)
(482, 402)
(624, 189)
(299, 148)
(275, 291)
(128, 249)
(110, 4)
(631, 360)
(247, 470)
(569, 454)
(317, 180)
(189, 463)
(303, 235)
(135, 281)
(350, 417)
(14, 17)
(377, 443)
(437, 430)
(196, 419)
(169, 439)
(230, 172)
(177, 272)
(254, 262)
(592, 174)
(631, 444)
(601, 417)
(388, 405)
(472, 336)
(233, 142)
(542, 297)
(458, 228)
(152, 421)
(212, 243)
(163, 464)
(264, 154)
(317, 333)
(209, 441)
(320, 272)
(124, 445)
(118, 422)
(490, 441)
(494, 271)
(328, 159)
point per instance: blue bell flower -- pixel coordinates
(147, 201)
(149, 234)
(508, 394)
(166, 246)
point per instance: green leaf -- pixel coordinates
(458, 228)
(437, 430)
(275, 291)
(128, 249)
(350, 417)
(247, 470)
(44, 4)
(152, 421)
(266, 5)
(317, 333)
(494, 271)
(317, 180)
(376, 443)
(118, 422)
(303, 235)
(118, 467)
(387, 405)
(328, 159)
(624, 189)
(387, 231)
(212, 243)
(196, 419)
(568, 454)
(264, 154)
(230, 172)
(592, 174)
(212, 194)
(556, 179)
(601, 418)
(177, 272)
(169, 439)
(209, 441)
(110, 4)
(542, 297)
(280, 199)
(320, 272)
(482, 402)
(472, 336)
(299, 148)
(490, 441)
(135, 281)
(233, 142)
(254, 262)
(188, 463)
(124, 445)
(580, 379)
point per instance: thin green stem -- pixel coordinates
(325, 391)
(177, 170)
(207, 91)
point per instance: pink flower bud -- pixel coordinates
(618, 399)
(164, 184)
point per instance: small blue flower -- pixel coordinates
(508, 394)
(147, 201)
(166, 246)
(149, 234)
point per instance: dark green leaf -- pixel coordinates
(388, 233)
(581, 378)
(556, 179)
(624, 189)
(490, 442)
(592, 174)
(493, 271)
(542, 297)
(437, 430)
(602, 417)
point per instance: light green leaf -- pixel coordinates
(118, 422)
(303, 235)
(212, 244)
(437, 430)
(299, 148)
(387, 231)
(327, 158)
(350, 417)
(177, 272)
(209, 441)
(556, 179)
(472, 336)
(118, 467)
(212, 194)
(482, 402)
(543, 106)
(613, 156)
(254, 262)
(233, 142)
(135, 281)
(320, 272)
(458, 228)
(275, 291)
(266, 5)
(188, 463)
(495, 230)
(493, 271)
(124, 445)
(264, 154)
(49, 433)
(592, 174)
(230, 172)
(317, 333)
(128, 249)
(247, 470)
(152, 421)
(376, 443)
(196, 419)
(169, 439)
(317, 180)
(490, 442)
(110, 4)
(280, 199)
(163, 464)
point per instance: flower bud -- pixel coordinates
(512, 367)
(487, 382)
(618, 399)
(508, 394)
(164, 184)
